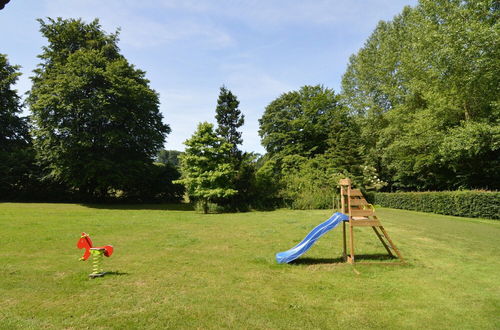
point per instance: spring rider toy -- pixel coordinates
(96, 252)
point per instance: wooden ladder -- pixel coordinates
(361, 214)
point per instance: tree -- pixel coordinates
(3, 3)
(309, 183)
(345, 153)
(13, 129)
(419, 77)
(229, 119)
(298, 122)
(206, 169)
(311, 141)
(156, 185)
(267, 187)
(169, 157)
(15, 152)
(472, 151)
(308, 123)
(96, 121)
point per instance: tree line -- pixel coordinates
(418, 110)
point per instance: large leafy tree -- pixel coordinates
(429, 74)
(298, 122)
(206, 169)
(15, 151)
(96, 121)
(311, 140)
(229, 119)
(472, 151)
(13, 128)
(3, 3)
(311, 122)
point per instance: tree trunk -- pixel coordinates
(205, 206)
(466, 112)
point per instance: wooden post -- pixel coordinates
(345, 192)
(351, 229)
(351, 238)
(344, 254)
(343, 210)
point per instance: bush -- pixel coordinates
(467, 203)
(309, 183)
(266, 186)
(153, 184)
(312, 183)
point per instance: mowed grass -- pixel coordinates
(174, 268)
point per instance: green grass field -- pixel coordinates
(174, 268)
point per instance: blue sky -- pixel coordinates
(189, 48)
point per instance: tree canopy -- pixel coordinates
(419, 85)
(13, 128)
(3, 3)
(15, 152)
(169, 157)
(311, 140)
(206, 169)
(298, 122)
(96, 121)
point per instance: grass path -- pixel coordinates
(179, 269)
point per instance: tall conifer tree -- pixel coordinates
(229, 119)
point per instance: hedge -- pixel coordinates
(468, 203)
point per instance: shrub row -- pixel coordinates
(473, 204)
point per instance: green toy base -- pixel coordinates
(97, 275)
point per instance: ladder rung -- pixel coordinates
(361, 213)
(358, 201)
(356, 192)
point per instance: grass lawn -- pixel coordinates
(175, 268)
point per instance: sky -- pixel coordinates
(259, 49)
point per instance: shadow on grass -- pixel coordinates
(159, 207)
(340, 260)
(317, 261)
(116, 273)
(373, 257)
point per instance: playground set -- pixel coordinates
(355, 212)
(97, 254)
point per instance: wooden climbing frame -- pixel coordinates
(361, 214)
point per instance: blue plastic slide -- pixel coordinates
(311, 238)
